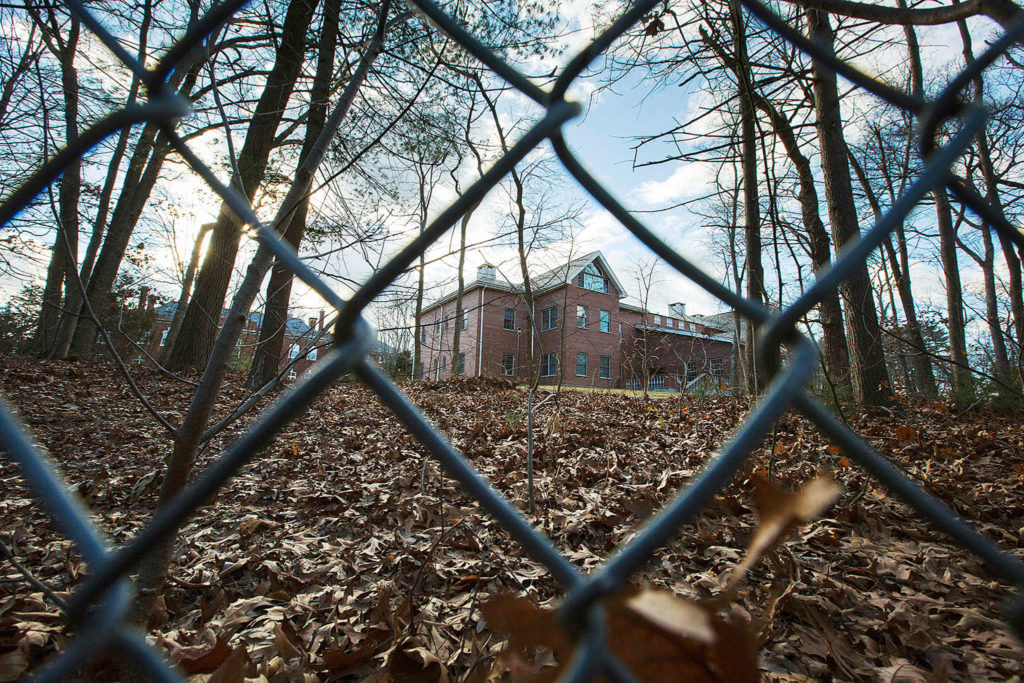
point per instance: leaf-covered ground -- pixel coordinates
(343, 553)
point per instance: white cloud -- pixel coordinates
(688, 180)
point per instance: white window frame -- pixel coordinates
(312, 354)
(582, 317)
(505, 321)
(293, 351)
(582, 355)
(163, 337)
(604, 365)
(605, 318)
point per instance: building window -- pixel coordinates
(444, 363)
(465, 319)
(656, 383)
(620, 331)
(508, 364)
(312, 354)
(581, 364)
(419, 370)
(581, 317)
(462, 365)
(692, 371)
(163, 337)
(292, 374)
(549, 365)
(606, 321)
(606, 367)
(423, 334)
(293, 351)
(510, 318)
(549, 318)
(591, 279)
(717, 368)
(657, 320)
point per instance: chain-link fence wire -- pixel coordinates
(98, 608)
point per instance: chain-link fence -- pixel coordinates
(98, 608)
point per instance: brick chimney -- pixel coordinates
(312, 323)
(143, 296)
(151, 306)
(678, 309)
(321, 328)
(485, 272)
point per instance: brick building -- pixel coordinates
(584, 334)
(298, 334)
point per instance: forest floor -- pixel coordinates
(336, 554)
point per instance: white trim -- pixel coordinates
(480, 336)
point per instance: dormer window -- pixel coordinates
(592, 279)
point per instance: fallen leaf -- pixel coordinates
(207, 662)
(656, 634)
(780, 512)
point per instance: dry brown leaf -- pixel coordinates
(904, 433)
(13, 664)
(780, 512)
(234, 668)
(658, 635)
(682, 617)
(287, 641)
(208, 661)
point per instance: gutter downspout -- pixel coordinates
(480, 335)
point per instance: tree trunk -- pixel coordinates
(962, 381)
(1012, 261)
(837, 362)
(459, 311)
(867, 358)
(186, 290)
(921, 366)
(202, 317)
(139, 179)
(73, 297)
(756, 379)
(270, 347)
(63, 260)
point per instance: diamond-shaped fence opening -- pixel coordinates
(98, 607)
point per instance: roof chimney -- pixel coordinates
(678, 309)
(143, 296)
(312, 323)
(485, 273)
(321, 328)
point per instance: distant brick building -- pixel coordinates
(297, 336)
(584, 334)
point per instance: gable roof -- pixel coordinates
(545, 281)
(567, 272)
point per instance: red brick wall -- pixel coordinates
(486, 320)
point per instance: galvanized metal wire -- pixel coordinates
(98, 608)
